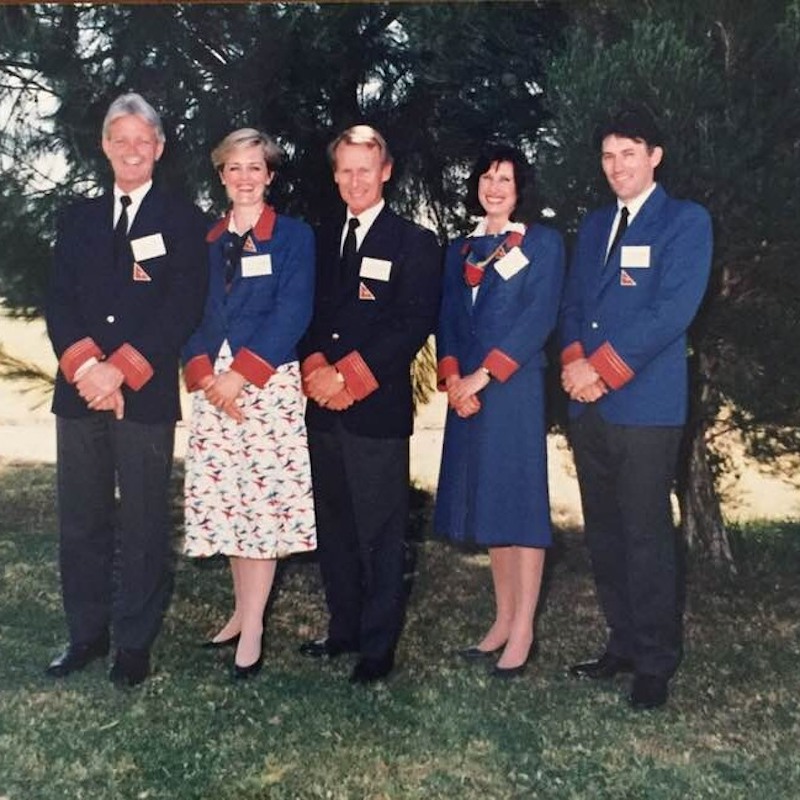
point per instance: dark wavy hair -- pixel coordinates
(634, 122)
(497, 153)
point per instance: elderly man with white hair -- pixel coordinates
(127, 288)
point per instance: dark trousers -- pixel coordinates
(115, 555)
(361, 503)
(626, 475)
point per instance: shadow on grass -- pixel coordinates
(438, 729)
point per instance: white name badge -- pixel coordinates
(635, 256)
(375, 268)
(511, 263)
(254, 266)
(148, 247)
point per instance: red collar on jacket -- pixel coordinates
(262, 230)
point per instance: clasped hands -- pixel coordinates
(582, 382)
(325, 386)
(100, 386)
(223, 390)
(462, 393)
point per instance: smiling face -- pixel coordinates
(245, 176)
(360, 174)
(629, 165)
(497, 194)
(132, 148)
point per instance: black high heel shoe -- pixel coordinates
(474, 654)
(250, 671)
(506, 673)
(218, 645)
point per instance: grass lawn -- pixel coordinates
(438, 729)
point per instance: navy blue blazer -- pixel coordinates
(371, 323)
(630, 316)
(268, 306)
(137, 317)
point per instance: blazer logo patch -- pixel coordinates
(625, 278)
(364, 292)
(139, 274)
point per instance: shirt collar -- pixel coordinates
(635, 206)
(509, 227)
(136, 196)
(366, 217)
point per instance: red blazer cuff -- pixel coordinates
(76, 355)
(195, 370)
(133, 365)
(253, 367)
(572, 352)
(312, 362)
(448, 366)
(358, 377)
(500, 365)
(611, 366)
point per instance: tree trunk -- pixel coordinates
(701, 516)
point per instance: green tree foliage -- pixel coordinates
(436, 79)
(439, 79)
(724, 77)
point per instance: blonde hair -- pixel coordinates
(360, 134)
(247, 137)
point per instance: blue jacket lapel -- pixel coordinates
(649, 214)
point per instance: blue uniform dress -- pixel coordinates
(493, 479)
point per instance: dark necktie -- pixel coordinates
(621, 228)
(347, 262)
(121, 229)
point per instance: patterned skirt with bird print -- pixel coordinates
(248, 486)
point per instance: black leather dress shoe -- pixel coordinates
(218, 644)
(649, 691)
(130, 668)
(369, 670)
(607, 666)
(77, 656)
(250, 671)
(475, 654)
(325, 648)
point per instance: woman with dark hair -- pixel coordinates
(502, 287)
(248, 476)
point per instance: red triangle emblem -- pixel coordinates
(364, 293)
(249, 245)
(139, 274)
(625, 278)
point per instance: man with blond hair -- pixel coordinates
(377, 298)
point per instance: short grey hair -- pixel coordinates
(360, 134)
(247, 137)
(133, 103)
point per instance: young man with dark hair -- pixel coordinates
(638, 275)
